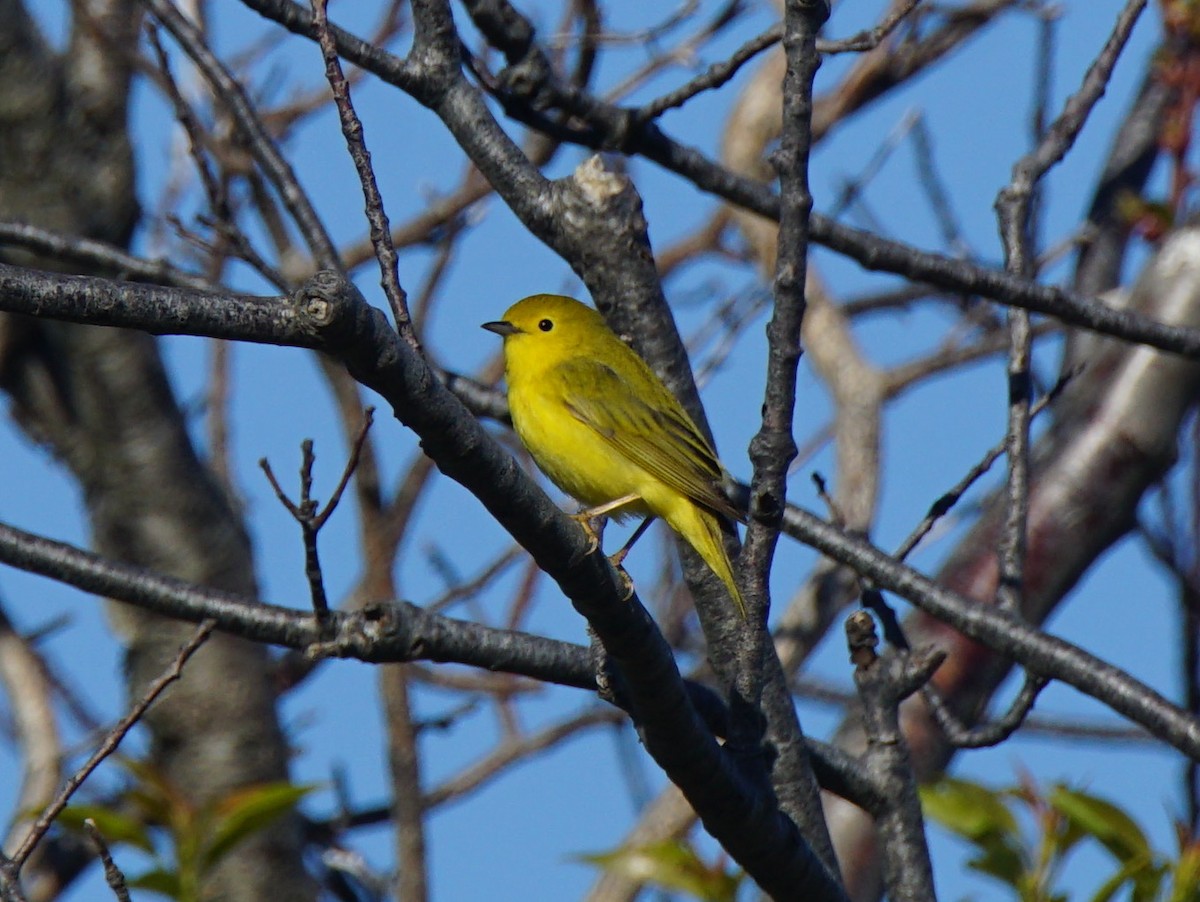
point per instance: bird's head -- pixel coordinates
(549, 327)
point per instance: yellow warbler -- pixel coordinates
(607, 431)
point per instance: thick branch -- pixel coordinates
(382, 634)
(760, 676)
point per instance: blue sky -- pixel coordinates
(521, 831)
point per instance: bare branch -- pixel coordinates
(30, 694)
(1014, 206)
(714, 77)
(989, 734)
(392, 633)
(381, 234)
(760, 682)
(259, 142)
(109, 744)
(870, 38)
(112, 874)
(882, 684)
(513, 751)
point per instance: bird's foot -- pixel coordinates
(627, 588)
(592, 528)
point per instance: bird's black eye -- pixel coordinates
(546, 325)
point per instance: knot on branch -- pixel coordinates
(862, 639)
(597, 183)
(328, 306)
(818, 11)
(321, 297)
(766, 507)
(885, 681)
(359, 634)
(603, 212)
(528, 81)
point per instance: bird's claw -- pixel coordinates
(589, 522)
(592, 537)
(627, 588)
(586, 521)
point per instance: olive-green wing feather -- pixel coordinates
(642, 420)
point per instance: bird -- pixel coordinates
(606, 430)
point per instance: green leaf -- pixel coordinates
(249, 810)
(1000, 859)
(1032, 890)
(1185, 875)
(159, 799)
(114, 826)
(971, 810)
(672, 865)
(165, 883)
(1068, 834)
(1105, 822)
(1142, 874)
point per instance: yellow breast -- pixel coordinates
(574, 458)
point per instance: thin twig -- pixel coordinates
(218, 418)
(853, 186)
(883, 681)
(307, 514)
(685, 51)
(98, 255)
(110, 743)
(934, 188)
(112, 874)
(472, 587)
(307, 519)
(1014, 207)
(836, 517)
(1021, 251)
(870, 38)
(946, 502)
(1064, 728)
(258, 141)
(759, 679)
(719, 74)
(348, 470)
(292, 509)
(712, 78)
(25, 678)
(988, 734)
(216, 189)
(952, 355)
(1010, 586)
(10, 880)
(217, 198)
(513, 751)
(381, 232)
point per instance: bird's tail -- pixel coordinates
(711, 547)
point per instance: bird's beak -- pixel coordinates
(502, 327)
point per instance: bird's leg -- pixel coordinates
(618, 558)
(592, 512)
(586, 516)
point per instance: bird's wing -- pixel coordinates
(644, 422)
